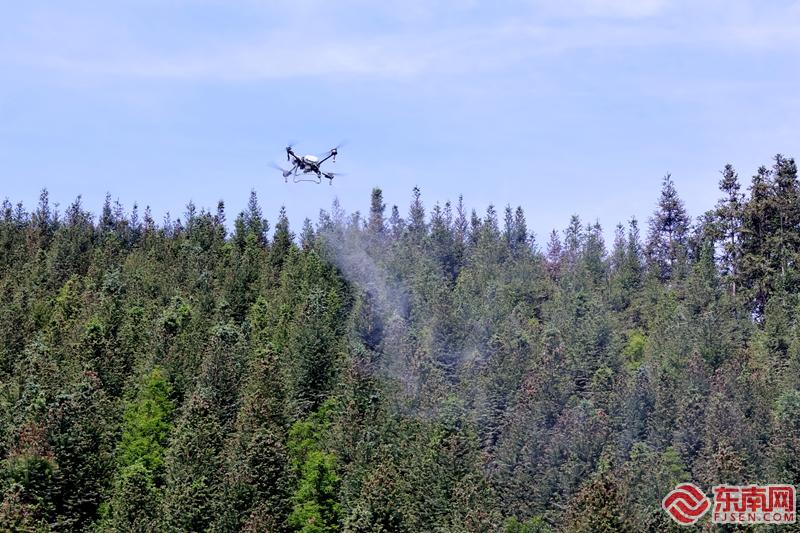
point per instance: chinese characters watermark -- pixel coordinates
(754, 504)
(733, 504)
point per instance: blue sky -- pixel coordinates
(562, 107)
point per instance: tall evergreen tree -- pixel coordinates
(668, 238)
(729, 213)
(376, 224)
(416, 217)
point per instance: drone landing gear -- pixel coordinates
(299, 179)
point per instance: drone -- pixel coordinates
(307, 167)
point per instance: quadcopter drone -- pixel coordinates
(307, 167)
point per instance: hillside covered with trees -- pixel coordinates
(438, 370)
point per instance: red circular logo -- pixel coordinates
(686, 504)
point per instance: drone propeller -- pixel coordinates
(286, 173)
(289, 147)
(333, 151)
(331, 175)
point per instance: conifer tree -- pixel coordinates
(281, 241)
(193, 466)
(417, 227)
(729, 213)
(668, 238)
(81, 442)
(376, 224)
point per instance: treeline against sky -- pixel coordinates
(437, 370)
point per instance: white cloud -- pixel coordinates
(605, 8)
(426, 42)
(396, 56)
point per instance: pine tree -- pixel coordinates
(44, 221)
(316, 505)
(443, 243)
(193, 466)
(376, 224)
(281, 241)
(729, 213)
(396, 223)
(508, 226)
(520, 234)
(254, 222)
(596, 508)
(81, 442)
(573, 238)
(311, 352)
(554, 255)
(416, 218)
(668, 238)
(219, 217)
(307, 235)
(634, 253)
(787, 240)
(256, 473)
(147, 423)
(594, 253)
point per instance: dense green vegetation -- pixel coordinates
(438, 372)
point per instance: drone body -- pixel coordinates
(308, 167)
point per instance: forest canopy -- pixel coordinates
(441, 370)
